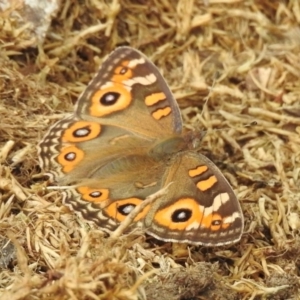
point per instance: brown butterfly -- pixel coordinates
(123, 143)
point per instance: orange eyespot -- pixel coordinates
(109, 100)
(93, 195)
(213, 221)
(122, 73)
(69, 157)
(183, 213)
(119, 209)
(81, 131)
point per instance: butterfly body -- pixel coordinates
(123, 143)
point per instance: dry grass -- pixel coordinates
(248, 52)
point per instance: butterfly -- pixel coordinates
(125, 142)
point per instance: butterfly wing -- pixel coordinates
(128, 91)
(200, 206)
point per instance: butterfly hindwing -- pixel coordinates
(202, 209)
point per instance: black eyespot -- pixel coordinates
(123, 70)
(70, 156)
(95, 194)
(126, 209)
(109, 98)
(181, 215)
(82, 132)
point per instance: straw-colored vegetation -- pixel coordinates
(240, 56)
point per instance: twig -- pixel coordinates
(129, 219)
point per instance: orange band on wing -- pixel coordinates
(154, 98)
(197, 171)
(161, 113)
(207, 184)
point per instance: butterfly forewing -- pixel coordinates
(128, 91)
